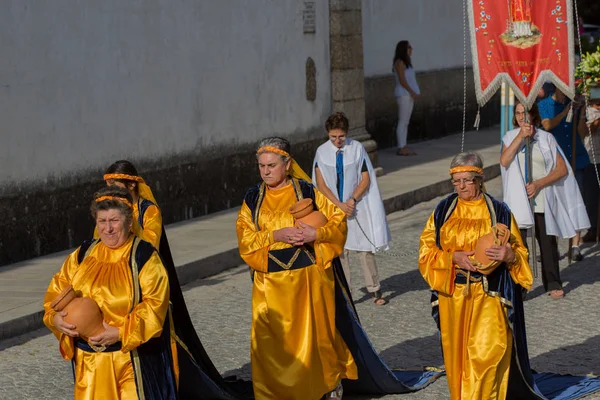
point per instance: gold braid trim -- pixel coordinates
(122, 200)
(466, 168)
(124, 177)
(271, 149)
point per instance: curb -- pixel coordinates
(220, 262)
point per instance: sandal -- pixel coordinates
(379, 300)
(405, 152)
(557, 294)
(335, 394)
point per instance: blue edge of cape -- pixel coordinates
(199, 378)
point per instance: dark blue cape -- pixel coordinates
(374, 376)
(198, 377)
(523, 382)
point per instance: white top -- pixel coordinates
(538, 172)
(369, 212)
(411, 80)
(564, 211)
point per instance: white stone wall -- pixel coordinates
(84, 83)
(433, 27)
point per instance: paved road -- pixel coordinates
(564, 335)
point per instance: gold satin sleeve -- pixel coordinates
(435, 265)
(152, 226)
(60, 281)
(331, 238)
(520, 270)
(253, 245)
(147, 318)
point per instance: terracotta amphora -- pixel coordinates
(499, 235)
(82, 312)
(304, 211)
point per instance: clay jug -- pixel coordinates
(82, 312)
(499, 235)
(304, 211)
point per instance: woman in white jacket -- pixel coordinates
(558, 206)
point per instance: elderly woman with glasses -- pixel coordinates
(478, 315)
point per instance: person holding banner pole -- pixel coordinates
(558, 208)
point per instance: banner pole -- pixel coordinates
(573, 164)
(529, 177)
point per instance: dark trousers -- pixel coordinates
(590, 194)
(549, 253)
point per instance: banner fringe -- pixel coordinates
(483, 96)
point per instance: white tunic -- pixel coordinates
(564, 211)
(370, 213)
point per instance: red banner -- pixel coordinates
(523, 43)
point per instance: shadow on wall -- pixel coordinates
(52, 218)
(437, 112)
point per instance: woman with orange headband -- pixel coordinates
(131, 357)
(479, 315)
(296, 351)
(146, 214)
(202, 377)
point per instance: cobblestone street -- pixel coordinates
(564, 335)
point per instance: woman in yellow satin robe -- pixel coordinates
(149, 227)
(125, 276)
(471, 308)
(296, 350)
(202, 379)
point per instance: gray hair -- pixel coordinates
(116, 198)
(468, 159)
(277, 142)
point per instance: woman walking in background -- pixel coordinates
(407, 90)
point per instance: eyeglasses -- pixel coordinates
(466, 181)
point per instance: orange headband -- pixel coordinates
(123, 176)
(272, 149)
(466, 168)
(102, 198)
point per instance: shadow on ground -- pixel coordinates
(585, 272)
(587, 359)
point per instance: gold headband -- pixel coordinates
(103, 198)
(123, 176)
(272, 149)
(466, 168)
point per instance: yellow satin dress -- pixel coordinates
(296, 351)
(476, 337)
(105, 276)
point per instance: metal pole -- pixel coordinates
(573, 165)
(529, 177)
